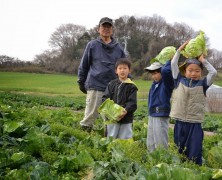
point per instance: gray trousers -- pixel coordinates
(93, 101)
(120, 131)
(157, 134)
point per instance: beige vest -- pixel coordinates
(188, 104)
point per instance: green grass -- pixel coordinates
(39, 83)
(58, 84)
(52, 84)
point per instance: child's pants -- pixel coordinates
(157, 134)
(189, 138)
(120, 131)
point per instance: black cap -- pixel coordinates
(106, 20)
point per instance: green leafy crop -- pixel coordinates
(165, 54)
(195, 47)
(110, 110)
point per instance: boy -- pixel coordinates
(122, 91)
(188, 103)
(159, 105)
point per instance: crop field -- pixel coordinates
(40, 137)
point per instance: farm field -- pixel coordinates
(40, 137)
(51, 84)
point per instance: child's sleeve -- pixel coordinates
(212, 72)
(131, 104)
(106, 94)
(167, 74)
(174, 65)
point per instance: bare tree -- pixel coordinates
(46, 58)
(182, 32)
(215, 58)
(66, 36)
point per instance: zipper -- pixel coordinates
(190, 83)
(118, 91)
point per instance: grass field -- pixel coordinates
(39, 83)
(58, 84)
(52, 84)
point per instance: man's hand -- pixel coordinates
(82, 88)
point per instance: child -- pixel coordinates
(188, 103)
(159, 105)
(123, 92)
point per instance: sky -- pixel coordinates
(26, 25)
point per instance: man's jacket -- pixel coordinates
(97, 67)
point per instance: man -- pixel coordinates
(97, 69)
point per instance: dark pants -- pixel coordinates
(189, 138)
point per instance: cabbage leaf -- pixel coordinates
(195, 47)
(165, 54)
(110, 110)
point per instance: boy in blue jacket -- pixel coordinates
(159, 105)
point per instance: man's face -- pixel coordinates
(106, 30)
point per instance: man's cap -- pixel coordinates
(154, 66)
(106, 20)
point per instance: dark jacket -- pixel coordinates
(97, 67)
(124, 94)
(160, 93)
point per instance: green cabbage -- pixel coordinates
(165, 54)
(110, 110)
(195, 47)
(217, 173)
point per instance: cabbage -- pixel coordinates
(195, 47)
(165, 54)
(217, 173)
(110, 110)
(214, 157)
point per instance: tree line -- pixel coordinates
(142, 37)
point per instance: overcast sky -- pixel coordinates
(26, 25)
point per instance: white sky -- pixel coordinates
(26, 25)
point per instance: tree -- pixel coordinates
(66, 36)
(146, 37)
(215, 58)
(46, 58)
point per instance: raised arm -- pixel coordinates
(212, 72)
(174, 62)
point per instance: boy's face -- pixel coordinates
(193, 71)
(156, 76)
(122, 71)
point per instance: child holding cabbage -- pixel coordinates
(123, 92)
(159, 99)
(188, 100)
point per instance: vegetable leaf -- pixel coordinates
(195, 47)
(110, 110)
(165, 54)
